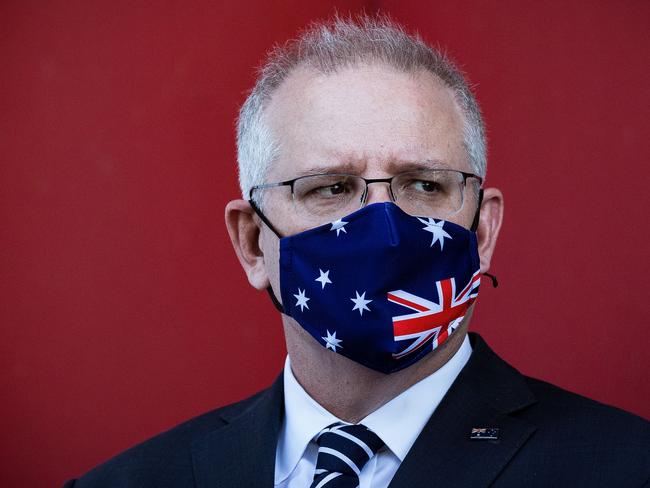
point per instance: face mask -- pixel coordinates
(379, 286)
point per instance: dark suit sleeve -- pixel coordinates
(69, 484)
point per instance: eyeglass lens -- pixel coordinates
(432, 193)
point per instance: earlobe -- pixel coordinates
(489, 225)
(244, 231)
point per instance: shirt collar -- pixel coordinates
(420, 401)
(304, 417)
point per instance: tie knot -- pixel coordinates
(340, 434)
(343, 450)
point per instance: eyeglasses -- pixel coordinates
(323, 198)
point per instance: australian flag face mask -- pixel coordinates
(379, 286)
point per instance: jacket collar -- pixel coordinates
(485, 395)
(242, 453)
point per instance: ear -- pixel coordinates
(489, 224)
(244, 230)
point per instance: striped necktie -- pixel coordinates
(343, 450)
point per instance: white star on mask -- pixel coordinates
(331, 342)
(360, 303)
(339, 226)
(436, 229)
(323, 278)
(302, 300)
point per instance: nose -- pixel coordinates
(378, 192)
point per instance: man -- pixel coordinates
(361, 156)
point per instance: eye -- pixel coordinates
(425, 186)
(327, 189)
(333, 187)
(332, 190)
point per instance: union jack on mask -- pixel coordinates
(379, 286)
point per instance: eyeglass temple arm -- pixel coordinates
(262, 217)
(269, 289)
(477, 215)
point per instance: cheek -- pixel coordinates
(282, 213)
(468, 212)
(465, 217)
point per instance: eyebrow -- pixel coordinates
(350, 168)
(337, 168)
(417, 165)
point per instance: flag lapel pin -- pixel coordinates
(484, 434)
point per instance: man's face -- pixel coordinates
(368, 120)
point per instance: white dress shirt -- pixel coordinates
(295, 455)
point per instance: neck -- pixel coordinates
(351, 391)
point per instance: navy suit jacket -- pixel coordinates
(547, 437)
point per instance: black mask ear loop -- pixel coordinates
(269, 289)
(474, 227)
(278, 306)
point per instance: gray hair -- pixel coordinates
(328, 47)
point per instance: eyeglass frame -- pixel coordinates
(364, 196)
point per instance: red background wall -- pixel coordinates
(123, 309)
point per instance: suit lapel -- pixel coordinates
(242, 453)
(483, 395)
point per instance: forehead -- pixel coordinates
(367, 119)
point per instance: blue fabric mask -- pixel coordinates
(379, 286)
